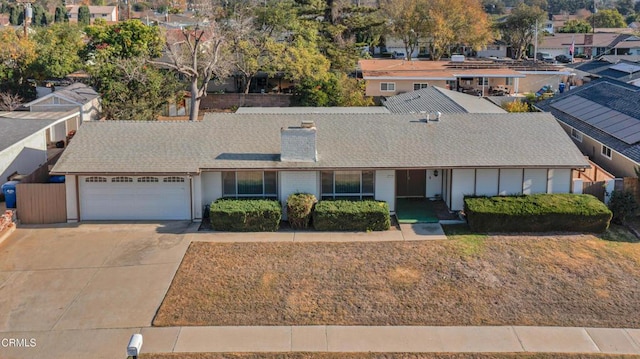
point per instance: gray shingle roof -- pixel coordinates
(307, 110)
(16, 130)
(432, 99)
(77, 92)
(252, 141)
(615, 95)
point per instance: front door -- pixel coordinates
(410, 183)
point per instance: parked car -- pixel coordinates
(544, 56)
(563, 58)
(397, 55)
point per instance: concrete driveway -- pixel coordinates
(78, 291)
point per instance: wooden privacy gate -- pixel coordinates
(41, 203)
(595, 188)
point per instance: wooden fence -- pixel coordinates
(595, 188)
(41, 203)
(632, 184)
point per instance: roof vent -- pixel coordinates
(434, 116)
(308, 124)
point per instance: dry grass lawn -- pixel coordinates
(379, 356)
(550, 280)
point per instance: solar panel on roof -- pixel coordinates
(615, 123)
(625, 67)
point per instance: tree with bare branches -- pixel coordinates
(9, 102)
(200, 54)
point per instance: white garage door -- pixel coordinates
(134, 198)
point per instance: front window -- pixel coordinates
(253, 184)
(606, 151)
(351, 185)
(420, 86)
(483, 81)
(508, 81)
(388, 86)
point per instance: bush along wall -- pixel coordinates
(351, 216)
(299, 208)
(255, 215)
(537, 213)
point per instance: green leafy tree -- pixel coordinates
(407, 19)
(119, 54)
(518, 29)
(16, 15)
(84, 15)
(16, 55)
(608, 18)
(336, 90)
(39, 16)
(576, 26)
(625, 7)
(61, 14)
(58, 47)
(132, 90)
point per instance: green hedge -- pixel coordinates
(251, 215)
(351, 216)
(299, 207)
(537, 213)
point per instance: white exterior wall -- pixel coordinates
(487, 181)
(535, 181)
(23, 157)
(462, 183)
(72, 198)
(297, 182)
(385, 188)
(559, 181)
(196, 201)
(59, 132)
(434, 184)
(211, 187)
(510, 181)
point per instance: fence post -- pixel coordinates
(577, 186)
(610, 186)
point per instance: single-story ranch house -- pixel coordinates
(171, 170)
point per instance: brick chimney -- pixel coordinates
(298, 144)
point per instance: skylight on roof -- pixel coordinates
(625, 67)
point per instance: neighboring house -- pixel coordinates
(496, 49)
(627, 46)
(27, 139)
(435, 99)
(622, 70)
(584, 44)
(603, 119)
(76, 96)
(117, 170)
(107, 13)
(392, 77)
(313, 110)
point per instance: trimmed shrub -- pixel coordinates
(249, 215)
(299, 207)
(537, 213)
(351, 216)
(623, 205)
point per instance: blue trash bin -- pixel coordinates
(56, 179)
(9, 191)
(561, 87)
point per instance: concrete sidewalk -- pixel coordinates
(407, 232)
(391, 339)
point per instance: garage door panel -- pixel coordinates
(134, 200)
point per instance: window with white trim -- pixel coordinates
(250, 184)
(148, 179)
(388, 86)
(173, 179)
(576, 135)
(95, 179)
(483, 81)
(606, 151)
(508, 81)
(350, 185)
(419, 86)
(122, 179)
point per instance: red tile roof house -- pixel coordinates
(117, 170)
(391, 77)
